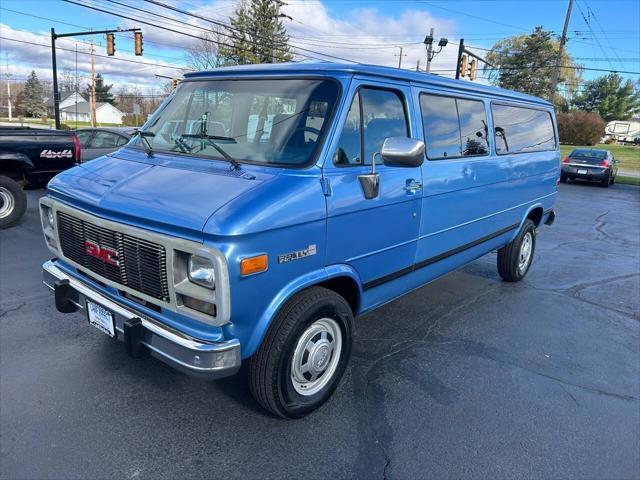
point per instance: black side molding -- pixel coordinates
(430, 261)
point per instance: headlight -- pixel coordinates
(201, 271)
(50, 217)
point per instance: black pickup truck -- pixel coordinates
(30, 157)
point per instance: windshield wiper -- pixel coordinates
(143, 135)
(210, 139)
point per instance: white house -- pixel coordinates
(624, 130)
(66, 100)
(105, 113)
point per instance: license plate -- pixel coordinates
(583, 172)
(101, 318)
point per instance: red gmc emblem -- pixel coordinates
(106, 254)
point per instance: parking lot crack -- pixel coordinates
(11, 310)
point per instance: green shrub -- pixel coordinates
(580, 128)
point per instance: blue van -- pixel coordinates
(261, 208)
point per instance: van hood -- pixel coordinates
(160, 192)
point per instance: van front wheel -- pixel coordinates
(304, 353)
(515, 258)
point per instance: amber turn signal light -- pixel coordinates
(252, 265)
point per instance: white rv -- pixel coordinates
(624, 131)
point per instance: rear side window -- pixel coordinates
(375, 114)
(453, 127)
(520, 129)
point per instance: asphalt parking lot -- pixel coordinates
(468, 377)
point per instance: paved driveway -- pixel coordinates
(469, 377)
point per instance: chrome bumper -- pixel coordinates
(139, 332)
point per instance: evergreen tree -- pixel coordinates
(103, 94)
(257, 35)
(526, 62)
(32, 101)
(609, 97)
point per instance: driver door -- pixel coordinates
(377, 236)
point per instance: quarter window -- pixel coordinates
(519, 129)
(375, 114)
(453, 127)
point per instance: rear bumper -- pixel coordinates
(142, 334)
(592, 174)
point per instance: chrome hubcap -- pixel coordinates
(525, 252)
(316, 356)
(6, 202)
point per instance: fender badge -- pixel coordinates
(287, 257)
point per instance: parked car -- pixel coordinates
(30, 157)
(590, 164)
(262, 208)
(96, 142)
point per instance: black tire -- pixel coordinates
(605, 183)
(563, 178)
(13, 202)
(509, 256)
(270, 368)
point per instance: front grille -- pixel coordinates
(142, 265)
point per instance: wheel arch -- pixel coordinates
(342, 279)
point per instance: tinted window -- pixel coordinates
(105, 140)
(83, 137)
(473, 127)
(383, 116)
(519, 129)
(122, 141)
(348, 150)
(453, 127)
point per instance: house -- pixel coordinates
(74, 107)
(624, 131)
(66, 99)
(81, 112)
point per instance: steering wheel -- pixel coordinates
(308, 129)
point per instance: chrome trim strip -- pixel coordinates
(583, 165)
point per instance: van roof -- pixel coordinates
(328, 68)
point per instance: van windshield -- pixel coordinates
(270, 122)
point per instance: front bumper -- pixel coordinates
(142, 334)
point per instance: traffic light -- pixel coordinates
(472, 70)
(463, 65)
(111, 44)
(137, 38)
(174, 83)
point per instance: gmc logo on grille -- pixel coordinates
(106, 254)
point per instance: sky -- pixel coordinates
(602, 34)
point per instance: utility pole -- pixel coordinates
(563, 40)
(279, 3)
(430, 50)
(418, 66)
(400, 57)
(9, 106)
(428, 41)
(93, 89)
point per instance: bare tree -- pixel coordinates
(204, 54)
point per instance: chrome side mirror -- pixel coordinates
(402, 152)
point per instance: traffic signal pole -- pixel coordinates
(54, 37)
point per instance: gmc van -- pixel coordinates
(262, 208)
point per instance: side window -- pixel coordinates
(520, 129)
(348, 150)
(474, 132)
(453, 127)
(105, 140)
(374, 115)
(121, 141)
(441, 127)
(383, 116)
(83, 137)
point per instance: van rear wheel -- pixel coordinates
(13, 202)
(515, 258)
(304, 354)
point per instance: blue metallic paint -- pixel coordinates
(284, 210)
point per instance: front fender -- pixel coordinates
(308, 280)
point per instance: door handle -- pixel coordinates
(412, 186)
